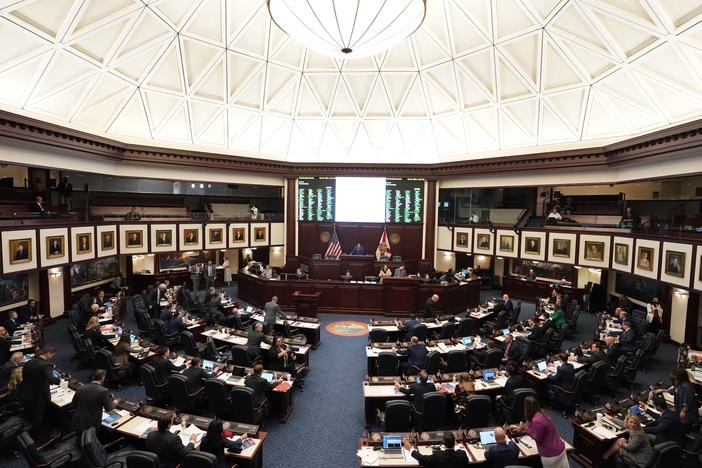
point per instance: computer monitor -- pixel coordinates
(371, 279)
(119, 331)
(56, 374)
(487, 437)
(464, 272)
(392, 441)
(249, 309)
(505, 331)
(132, 337)
(428, 380)
(268, 376)
(488, 375)
(541, 365)
(208, 365)
(467, 341)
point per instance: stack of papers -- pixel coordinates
(146, 427)
(604, 433)
(368, 456)
(185, 434)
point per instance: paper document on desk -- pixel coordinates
(368, 456)
(697, 375)
(179, 361)
(146, 427)
(189, 431)
(501, 381)
(604, 433)
(407, 454)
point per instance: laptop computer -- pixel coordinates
(467, 341)
(541, 366)
(249, 309)
(487, 438)
(56, 374)
(488, 375)
(119, 331)
(132, 337)
(109, 417)
(392, 446)
(505, 331)
(208, 365)
(268, 376)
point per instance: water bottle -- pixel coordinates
(453, 380)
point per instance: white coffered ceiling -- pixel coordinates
(479, 77)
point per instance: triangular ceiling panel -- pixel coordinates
(253, 38)
(160, 107)
(208, 22)
(427, 50)
(275, 134)
(107, 88)
(450, 135)
(589, 60)
(96, 12)
(378, 131)
(167, 73)
(378, 104)
(323, 85)
(177, 128)
(570, 105)
(481, 67)
(213, 83)
(100, 43)
(290, 53)
(46, 17)
(512, 134)
(512, 19)
(511, 84)
(602, 119)
(552, 129)
(175, 11)
(525, 51)
(307, 103)
(398, 84)
(629, 38)
(675, 102)
(216, 133)
(19, 80)
(202, 114)
(400, 58)
(360, 85)
(522, 113)
(64, 70)
(472, 95)
(482, 130)
(343, 105)
(132, 119)
(312, 129)
(415, 105)
(466, 36)
(149, 29)
(240, 13)
(572, 22)
(197, 57)
(63, 104)
(18, 44)
(557, 72)
(345, 131)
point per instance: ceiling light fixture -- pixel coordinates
(347, 28)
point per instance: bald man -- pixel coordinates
(502, 453)
(429, 311)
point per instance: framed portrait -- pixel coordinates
(260, 234)
(532, 245)
(20, 251)
(462, 239)
(594, 251)
(107, 240)
(239, 235)
(483, 241)
(164, 238)
(507, 243)
(644, 258)
(55, 246)
(216, 235)
(621, 254)
(675, 263)
(561, 248)
(84, 243)
(190, 236)
(135, 238)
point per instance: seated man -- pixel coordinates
(196, 375)
(400, 272)
(260, 385)
(417, 390)
(504, 304)
(502, 454)
(514, 381)
(167, 445)
(565, 375)
(347, 276)
(12, 323)
(163, 366)
(479, 357)
(300, 274)
(667, 427)
(28, 313)
(416, 354)
(625, 343)
(591, 356)
(513, 352)
(447, 458)
(537, 330)
(406, 329)
(176, 324)
(357, 249)
(133, 215)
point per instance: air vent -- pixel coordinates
(698, 191)
(656, 195)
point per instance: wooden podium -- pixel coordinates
(306, 303)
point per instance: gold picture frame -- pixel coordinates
(20, 250)
(191, 236)
(216, 235)
(260, 234)
(135, 239)
(482, 241)
(532, 245)
(506, 243)
(107, 240)
(594, 251)
(84, 243)
(55, 246)
(675, 263)
(621, 254)
(238, 235)
(645, 258)
(461, 239)
(164, 238)
(561, 248)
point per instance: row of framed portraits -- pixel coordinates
(25, 249)
(678, 263)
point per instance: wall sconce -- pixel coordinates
(448, 254)
(594, 270)
(56, 272)
(577, 267)
(481, 257)
(680, 292)
(500, 258)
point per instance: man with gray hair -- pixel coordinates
(256, 337)
(271, 311)
(9, 367)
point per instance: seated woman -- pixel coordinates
(557, 318)
(124, 348)
(637, 451)
(94, 320)
(281, 357)
(464, 389)
(215, 442)
(385, 271)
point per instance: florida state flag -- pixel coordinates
(383, 249)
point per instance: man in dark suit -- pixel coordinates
(21, 253)
(271, 311)
(28, 312)
(594, 354)
(537, 330)
(504, 304)
(37, 376)
(514, 381)
(513, 352)
(101, 300)
(195, 272)
(210, 274)
(168, 446)
(357, 249)
(196, 375)
(565, 375)
(626, 340)
(255, 338)
(163, 366)
(38, 206)
(447, 458)
(406, 329)
(7, 369)
(479, 357)
(400, 272)
(417, 390)
(430, 305)
(12, 323)
(89, 401)
(502, 454)
(416, 354)
(96, 336)
(347, 276)
(667, 427)
(176, 324)
(260, 385)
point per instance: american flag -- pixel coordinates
(334, 246)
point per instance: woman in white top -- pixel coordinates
(554, 214)
(227, 271)
(654, 315)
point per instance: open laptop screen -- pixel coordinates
(392, 441)
(487, 437)
(208, 365)
(488, 375)
(268, 376)
(541, 365)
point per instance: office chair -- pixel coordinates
(240, 355)
(434, 362)
(143, 321)
(183, 398)
(316, 256)
(614, 376)
(556, 341)
(465, 327)
(539, 348)
(198, 459)
(477, 412)
(95, 455)
(377, 335)
(598, 370)
(431, 418)
(218, 398)
(165, 339)
(456, 361)
(632, 365)
(156, 392)
(10, 429)
(386, 364)
(116, 373)
(420, 331)
(398, 416)
(293, 333)
(516, 312)
(515, 413)
(63, 454)
(494, 358)
(448, 330)
(666, 454)
(90, 351)
(142, 459)
(573, 323)
(190, 347)
(244, 408)
(397, 258)
(216, 353)
(570, 399)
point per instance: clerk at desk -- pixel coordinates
(357, 249)
(400, 272)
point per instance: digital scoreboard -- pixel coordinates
(404, 200)
(315, 197)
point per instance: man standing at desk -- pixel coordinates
(357, 249)
(210, 273)
(37, 376)
(195, 272)
(429, 311)
(255, 338)
(417, 390)
(271, 311)
(90, 400)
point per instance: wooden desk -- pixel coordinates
(519, 288)
(537, 380)
(589, 444)
(310, 327)
(239, 337)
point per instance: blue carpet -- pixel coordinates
(324, 429)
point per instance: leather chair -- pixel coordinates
(614, 376)
(632, 365)
(515, 413)
(598, 370)
(420, 331)
(95, 455)
(183, 398)
(196, 459)
(293, 333)
(116, 373)
(80, 348)
(573, 323)
(143, 321)
(240, 355)
(155, 391)
(434, 362)
(456, 361)
(515, 313)
(477, 412)
(465, 327)
(570, 399)
(218, 398)
(165, 339)
(538, 348)
(190, 347)
(398, 416)
(10, 428)
(666, 454)
(556, 341)
(494, 358)
(244, 409)
(447, 331)
(386, 364)
(63, 454)
(216, 353)
(142, 459)
(90, 351)
(377, 335)
(431, 418)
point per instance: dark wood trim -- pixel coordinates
(693, 303)
(678, 141)
(67, 300)
(430, 221)
(44, 302)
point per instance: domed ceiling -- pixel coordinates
(479, 77)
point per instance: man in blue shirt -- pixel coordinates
(357, 249)
(502, 454)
